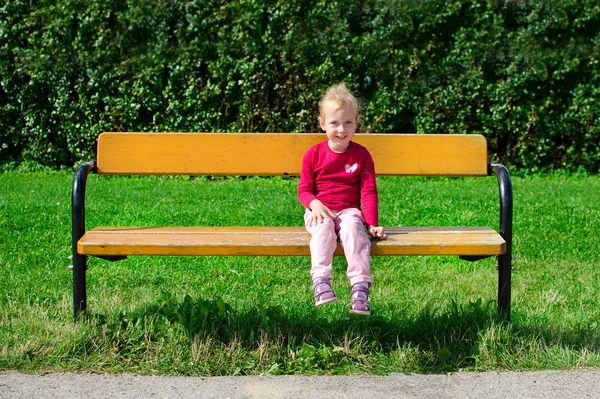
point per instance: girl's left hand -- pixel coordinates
(377, 232)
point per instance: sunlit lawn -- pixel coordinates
(251, 315)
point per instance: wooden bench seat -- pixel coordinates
(280, 154)
(281, 241)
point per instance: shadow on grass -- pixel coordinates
(439, 342)
(307, 340)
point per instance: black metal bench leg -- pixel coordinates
(504, 274)
(506, 216)
(78, 230)
(79, 288)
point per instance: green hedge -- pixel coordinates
(524, 73)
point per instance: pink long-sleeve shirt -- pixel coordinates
(340, 180)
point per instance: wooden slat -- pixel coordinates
(285, 241)
(281, 153)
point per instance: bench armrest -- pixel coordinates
(78, 200)
(506, 202)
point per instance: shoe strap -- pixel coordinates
(360, 294)
(359, 288)
(320, 281)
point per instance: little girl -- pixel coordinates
(337, 178)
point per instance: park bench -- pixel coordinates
(278, 154)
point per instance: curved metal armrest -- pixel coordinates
(506, 202)
(78, 200)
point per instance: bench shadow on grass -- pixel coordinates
(436, 341)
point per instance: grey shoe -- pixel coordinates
(323, 292)
(360, 300)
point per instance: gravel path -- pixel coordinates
(530, 385)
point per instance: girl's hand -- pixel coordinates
(319, 212)
(377, 232)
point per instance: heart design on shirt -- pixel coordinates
(350, 169)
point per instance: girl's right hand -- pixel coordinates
(319, 212)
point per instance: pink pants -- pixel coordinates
(349, 228)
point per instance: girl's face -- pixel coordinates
(340, 125)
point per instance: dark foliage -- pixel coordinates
(526, 73)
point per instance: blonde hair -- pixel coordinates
(339, 96)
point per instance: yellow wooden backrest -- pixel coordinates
(281, 153)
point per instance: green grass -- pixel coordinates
(251, 315)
